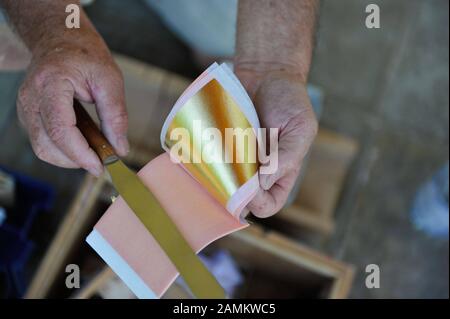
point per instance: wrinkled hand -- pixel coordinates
(282, 102)
(84, 70)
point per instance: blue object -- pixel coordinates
(430, 207)
(2, 215)
(31, 197)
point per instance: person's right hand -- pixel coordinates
(58, 73)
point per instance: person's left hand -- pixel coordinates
(281, 101)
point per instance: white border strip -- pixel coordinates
(119, 266)
(239, 200)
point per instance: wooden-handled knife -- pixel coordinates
(147, 208)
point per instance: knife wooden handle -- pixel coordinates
(97, 141)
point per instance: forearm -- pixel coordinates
(275, 36)
(41, 24)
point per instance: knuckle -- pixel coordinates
(23, 99)
(55, 132)
(34, 132)
(25, 107)
(40, 151)
(108, 70)
(119, 122)
(22, 95)
(41, 76)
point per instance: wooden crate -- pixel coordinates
(269, 260)
(273, 266)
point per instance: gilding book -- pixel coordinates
(203, 184)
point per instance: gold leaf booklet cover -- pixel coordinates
(204, 196)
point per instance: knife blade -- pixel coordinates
(147, 208)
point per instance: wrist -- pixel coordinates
(86, 44)
(254, 74)
(55, 36)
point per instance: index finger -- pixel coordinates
(109, 95)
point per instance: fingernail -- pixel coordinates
(123, 146)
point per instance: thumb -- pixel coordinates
(287, 163)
